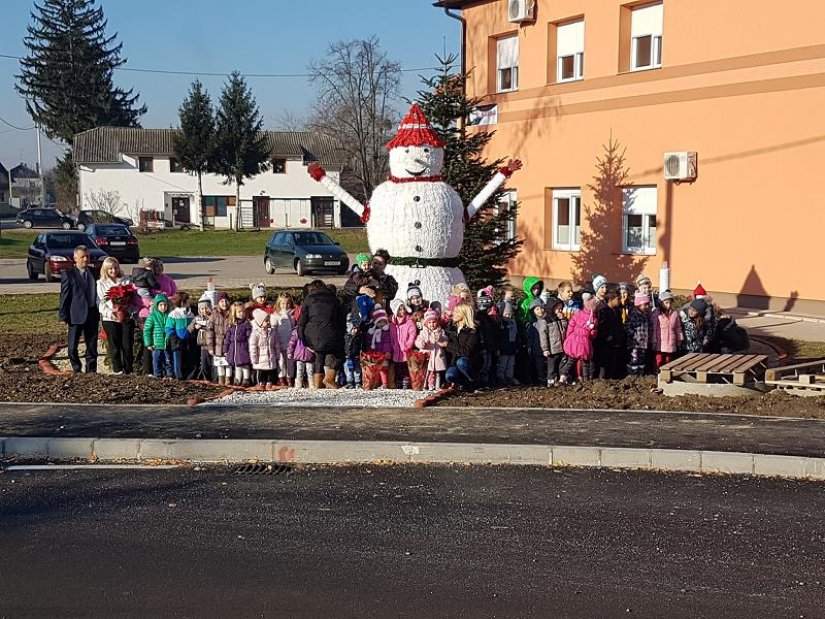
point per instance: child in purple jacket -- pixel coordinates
(303, 357)
(236, 344)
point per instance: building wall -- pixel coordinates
(289, 192)
(742, 83)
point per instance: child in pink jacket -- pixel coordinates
(427, 341)
(578, 343)
(403, 332)
(666, 330)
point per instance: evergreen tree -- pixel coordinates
(486, 250)
(66, 78)
(195, 144)
(241, 149)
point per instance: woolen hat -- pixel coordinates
(485, 292)
(205, 300)
(413, 290)
(640, 298)
(624, 286)
(643, 279)
(536, 303)
(379, 313)
(415, 130)
(667, 295)
(223, 295)
(430, 315)
(699, 291)
(362, 257)
(699, 305)
(258, 290)
(395, 304)
(598, 282)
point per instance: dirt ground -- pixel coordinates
(22, 380)
(640, 394)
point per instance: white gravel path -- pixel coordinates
(379, 398)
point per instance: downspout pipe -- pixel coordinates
(463, 52)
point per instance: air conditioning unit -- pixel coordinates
(680, 166)
(519, 11)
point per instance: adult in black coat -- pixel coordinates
(321, 328)
(79, 309)
(386, 283)
(464, 345)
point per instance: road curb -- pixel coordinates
(403, 452)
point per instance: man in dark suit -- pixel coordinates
(79, 309)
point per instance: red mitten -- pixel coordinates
(512, 166)
(316, 171)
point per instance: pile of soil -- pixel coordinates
(639, 394)
(22, 380)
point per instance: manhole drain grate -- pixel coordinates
(262, 469)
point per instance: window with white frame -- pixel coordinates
(567, 219)
(506, 203)
(639, 205)
(507, 64)
(646, 37)
(570, 51)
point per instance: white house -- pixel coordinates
(134, 172)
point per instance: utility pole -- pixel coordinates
(40, 170)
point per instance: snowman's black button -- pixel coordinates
(419, 248)
(418, 225)
(417, 198)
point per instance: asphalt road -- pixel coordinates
(410, 542)
(188, 272)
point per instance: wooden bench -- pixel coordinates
(715, 368)
(802, 377)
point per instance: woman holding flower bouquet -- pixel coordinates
(116, 294)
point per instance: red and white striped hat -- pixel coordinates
(379, 313)
(415, 130)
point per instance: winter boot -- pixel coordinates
(290, 382)
(329, 379)
(282, 381)
(317, 381)
(298, 383)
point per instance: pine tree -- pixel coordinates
(486, 250)
(66, 79)
(195, 144)
(241, 149)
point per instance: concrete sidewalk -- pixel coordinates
(781, 324)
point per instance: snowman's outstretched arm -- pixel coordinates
(320, 175)
(502, 175)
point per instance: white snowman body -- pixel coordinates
(418, 219)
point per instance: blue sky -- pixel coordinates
(253, 36)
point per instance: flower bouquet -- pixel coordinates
(121, 298)
(417, 366)
(371, 363)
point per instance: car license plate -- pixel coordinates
(331, 263)
(118, 243)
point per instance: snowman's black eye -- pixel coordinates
(426, 150)
(406, 150)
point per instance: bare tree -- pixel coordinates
(101, 200)
(357, 88)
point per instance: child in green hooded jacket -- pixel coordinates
(155, 339)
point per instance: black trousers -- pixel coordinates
(89, 332)
(120, 338)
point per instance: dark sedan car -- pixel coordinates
(305, 251)
(53, 252)
(38, 217)
(84, 219)
(116, 240)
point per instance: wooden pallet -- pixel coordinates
(715, 368)
(802, 377)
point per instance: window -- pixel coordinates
(646, 37)
(216, 205)
(570, 51)
(145, 164)
(279, 166)
(567, 219)
(639, 205)
(175, 165)
(504, 204)
(507, 64)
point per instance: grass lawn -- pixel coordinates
(15, 243)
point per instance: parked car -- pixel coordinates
(305, 251)
(116, 240)
(40, 217)
(53, 252)
(84, 219)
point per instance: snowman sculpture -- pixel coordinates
(417, 217)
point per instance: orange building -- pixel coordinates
(592, 95)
